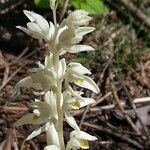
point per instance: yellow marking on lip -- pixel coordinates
(84, 144)
(75, 104)
(35, 117)
(79, 81)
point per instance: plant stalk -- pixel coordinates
(58, 101)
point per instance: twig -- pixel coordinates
(85, 112)
(19, 56)
(101, 99)
(136, 11)
(132, 105)
(116, 98)
(11, 76)
(115, 134)
(14, 99)
(12, 108)
(6, 65)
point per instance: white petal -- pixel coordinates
(51, 147)
(78, 68)
(24, 30)
(38, 131)
(29, 32)
(75, 40)
(27, 119)
(80, 48)
(62, 68)
(60, 31)
(29, 15)
(52, 135)
(71, 121)
(81, 31)
(49, 61)
(87, 136)
(51, 100)
(51, 31)
(86, 101)
(78, 18)
(82, 135)
(88, 83)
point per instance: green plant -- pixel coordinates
(91, 6)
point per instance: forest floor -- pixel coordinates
(120, 66)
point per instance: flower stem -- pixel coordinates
(59, 107)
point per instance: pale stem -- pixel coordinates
(58, 97)
(54, 17)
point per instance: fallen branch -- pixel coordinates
(115, 134)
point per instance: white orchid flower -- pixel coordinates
(43, 111)
(74, 100)
(76, 73)
(74, 33)
(38, 28)
(79, 139)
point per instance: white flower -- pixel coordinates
(76, 73)
(74, 100)
(43, 111)
(79, 139)
(74, 33)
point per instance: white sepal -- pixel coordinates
(71, 121)
(38, 131)
(88, 83)
(30, 118)
(81, 31)
(61, 69)
(50, 98)
(77, 68)
(82, 135)
(39, 20)
(80, 48)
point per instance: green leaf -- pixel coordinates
(42, 3)
(91, 6)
